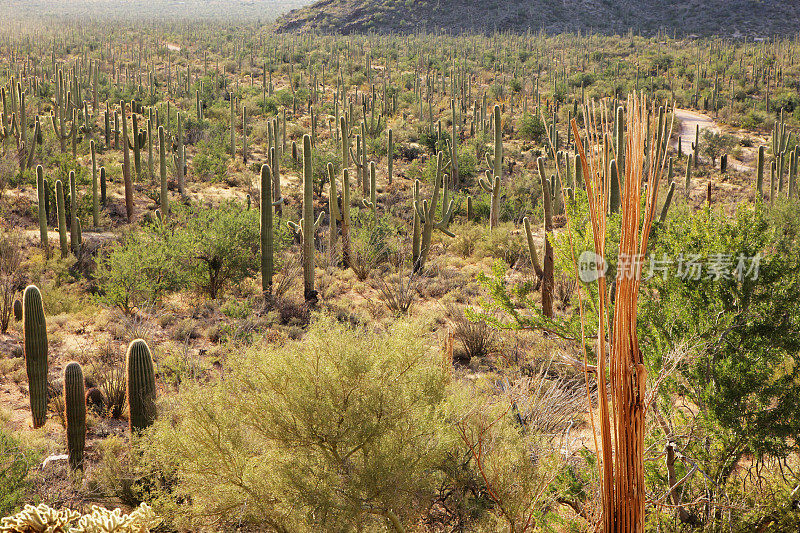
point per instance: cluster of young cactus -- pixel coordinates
(99, 520)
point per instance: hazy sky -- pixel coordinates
(263, 9)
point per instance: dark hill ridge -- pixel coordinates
(752, 18)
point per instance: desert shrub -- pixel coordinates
(352, 438)
(532, 128)
(476, 337)
(397, 287)
(370, 243)
(218, 246)
(505, 242)
(211, 161)
(467, 238)
(11, 276)
(15, 462)
(715, 144)
(139, 270)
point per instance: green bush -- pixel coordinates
(217, 246)
(353, 438)
(139, 270)
(15, 462)
(532, 128)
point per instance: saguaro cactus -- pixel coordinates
(162, 169)
(74, 239)
(267, 249)
(547, 270)
(42, 194)
(75, 414)
(35, 344)
(233, 125)
(95, 192)
(537, 268)
(491, 183)
(307, 224)
(427, 213)
(760, 173)
(372, 203)
(126, 163)
(180, 158)
(141, 385)
(390, 155)
(62, 218)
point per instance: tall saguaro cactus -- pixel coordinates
(427, 212)
(62, 218)
(308, 225)
(35, 344)
(162, 170)
(74, 239)
(141, 385)
(126, 163)
(267, 249)
(547, 269)
(95, 191)
(75, 414)
(491, 183)
(42, 195)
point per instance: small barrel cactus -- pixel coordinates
(35, 343)
(75, 414)
(17, 310)
(141, 385)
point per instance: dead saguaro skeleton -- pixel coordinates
(621, 373)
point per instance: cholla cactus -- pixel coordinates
(99, 520)
(41, 518)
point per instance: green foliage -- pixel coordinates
(714, 144)
(532, 128)
(138, 270)
(352, 438)
(217, 246)
(211, 161)
(15, 462)
(746, 332)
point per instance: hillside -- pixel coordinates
(753, 18)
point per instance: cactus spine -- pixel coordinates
(35, 343)
(140, 385)
(75, 414)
